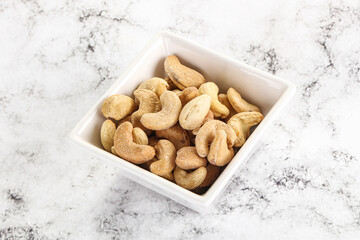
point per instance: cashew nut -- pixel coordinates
(219, 153)
(127, 149)
(241, 123)
(155, 84)
(167, 117)
(208, 117)
(187, 159)
(207, 133)
(169, 176)
(146, 165)
(239, 104)
(113, 151)
(175, 134)
(188, 94)
(107, 132)
(193, 113)
(212, 174)
(139, 136)
(211, 89)
(166, 153)
(149, 103)
(181, 75)
(189, 180)
(224, 100)
(118, 106)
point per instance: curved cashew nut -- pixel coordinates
(166, 153)
(189, 180)
(211, 89)
(219, 153)
(118, 106)
(139, 136)
(167, 117)
(155, 84)
(239, 104)
(223, 98)
(188, 94)
(207, 133)
(213, 173)
(181, 75)
(149, 103)
(187, 159)
(107, 132)
(127, 149)
(241, 123)
(193, 113)
(208, 117)
(175, 134)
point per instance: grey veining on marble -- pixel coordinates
(58, 57)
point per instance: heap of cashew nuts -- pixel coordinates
(180, 127)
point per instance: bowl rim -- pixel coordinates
(164, 186)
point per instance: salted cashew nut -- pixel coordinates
(241, 123)
(139, 136)
(169, 176)
(208, 117)
(107, 133)
(213, 173)
(113, 151)
(177, 91)
(118, 106)
(155, 84)
(189, 180)
(187, 158)
(181, 75)
(148, 103)
(188, 94)
(219, 153)
(175, 134)
(239, 104)
(127, 149)
(193, 113)
(211, 89)
(207, 134)
(223, 98)
(167, 117)
(166, 154)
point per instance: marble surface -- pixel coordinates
(58, 57)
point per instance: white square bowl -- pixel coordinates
(268, 92)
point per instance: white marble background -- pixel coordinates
(58, 57)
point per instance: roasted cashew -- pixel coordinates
(188, 94)
(146, 165)
(208, 117)
(187, 159)
(213, 173)
(189, 180)
(193, 113)
(241, 123)
(207, 134)
(118, 106)
(139, 136)
(167, 117)
(175, 134)
(211, 89)
(107, 132)
(166, 153)
(181, 75)
(223, 98)
(127, 149)
(155, 84)
(149, 103)
(169, 176)
(239, 104)
(219, 153)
